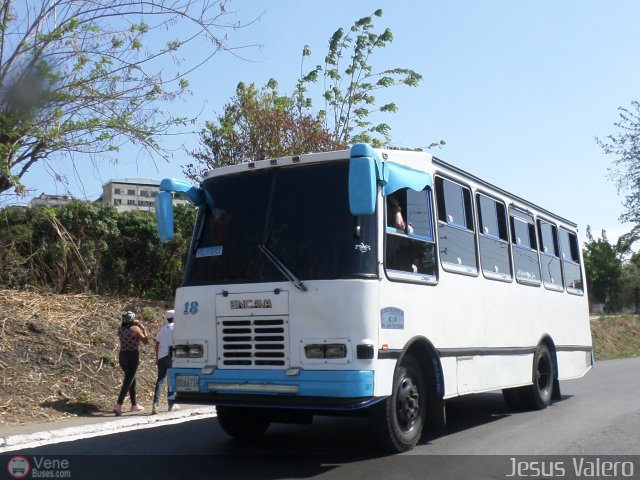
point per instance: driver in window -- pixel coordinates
(394, 214)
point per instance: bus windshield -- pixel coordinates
(298, 214)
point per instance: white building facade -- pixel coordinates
(132, 194)
(45, 200)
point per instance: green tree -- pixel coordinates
(350, 84)
(631, 283)
(174, 253)
(80, 235)
(257, 124)
(91, 247)
(16, 248)
(603, 268)
(85, 76)
(261, 123)
(630, 280)
(625, 145)
(137, 247)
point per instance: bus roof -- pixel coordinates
(415, 159)
(518, 202)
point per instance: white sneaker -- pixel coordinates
(174, 408)
(154, 409)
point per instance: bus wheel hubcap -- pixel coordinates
(408, 404)
(543, 374)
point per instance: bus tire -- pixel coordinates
(243, 423)
(399, 420)
(538, 395)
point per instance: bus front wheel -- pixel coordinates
(243, 423)
(399, 419)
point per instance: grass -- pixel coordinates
(616, 336)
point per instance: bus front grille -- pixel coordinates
(253, 343)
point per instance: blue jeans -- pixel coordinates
(164, 364)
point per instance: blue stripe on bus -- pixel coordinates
(311, 383)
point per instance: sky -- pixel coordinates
(518, 90)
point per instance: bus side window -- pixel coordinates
(550, 255)
(525, 247)
(456, 235)
(493, 238)
(396, 211)
(571, 262)
(410, 251)
(419, 214)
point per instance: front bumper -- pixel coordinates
(309, 389)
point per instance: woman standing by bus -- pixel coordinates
(130, 333)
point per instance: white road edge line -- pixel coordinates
(70, 434)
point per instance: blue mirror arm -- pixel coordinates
(164, 216)
(164, 204)
(193, 194)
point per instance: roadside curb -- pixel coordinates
(10, 442)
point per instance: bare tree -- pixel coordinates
(86, 76)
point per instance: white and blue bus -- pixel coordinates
(373, 282)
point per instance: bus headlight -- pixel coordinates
(188, 351)
(180, 351)
(335, 350)
(330, 350)
(195, 351)
(314, 351)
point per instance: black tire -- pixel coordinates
(243, 423)
(399, 420)
(538, 395)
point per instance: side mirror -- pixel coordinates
(164, 216)
(164, 204)
(362, 186)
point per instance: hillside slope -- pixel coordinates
(58, 354)
(616, 336)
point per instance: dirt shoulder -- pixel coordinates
(58, 354)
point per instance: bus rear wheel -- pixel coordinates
(399, 419)
(536, 396)
(243, 423)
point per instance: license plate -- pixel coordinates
(187, 383)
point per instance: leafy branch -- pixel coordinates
(350, 82)
(83, 77)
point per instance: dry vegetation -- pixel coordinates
(59, 354)
(616, 336)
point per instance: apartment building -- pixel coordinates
(54, 201)
(132, 194)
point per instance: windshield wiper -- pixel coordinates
(282, 268)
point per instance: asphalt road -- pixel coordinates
(598, 415)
